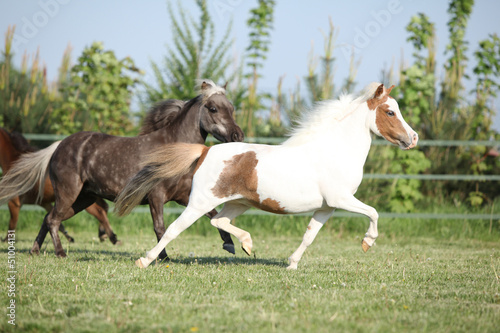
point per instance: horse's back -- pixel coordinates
(102, 162)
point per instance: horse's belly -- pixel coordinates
(290, 197)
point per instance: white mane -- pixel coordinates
(214, 89)
(324, 113)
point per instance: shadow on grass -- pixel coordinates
(96, 255)
(206, 261)
(81, 254)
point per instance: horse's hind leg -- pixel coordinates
(318, 220)
(57, 215)
(182, 198)
(48, 208)
(100, 211)
(44, 229)
(223, 222)
(187, 218)
(14, 208)
(225, 236)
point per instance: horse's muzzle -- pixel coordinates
(237, 135)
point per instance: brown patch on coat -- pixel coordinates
(239, 176)
(270, 205)
(391, 128)
(201, 159)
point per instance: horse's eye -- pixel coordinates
(212, 109)
(390, 113)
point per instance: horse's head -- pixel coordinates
(217, 114)
(386, 119)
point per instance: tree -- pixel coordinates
(194, 55)
(26, 98)
(260, 24)
(97, 94)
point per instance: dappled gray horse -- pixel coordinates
(88, 165)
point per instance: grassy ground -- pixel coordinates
(422, 276)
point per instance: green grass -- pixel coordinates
(422, 276)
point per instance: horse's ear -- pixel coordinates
(205, 86)
(388, 91)
(379, 92)
(225, 86)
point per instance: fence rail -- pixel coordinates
(428, 216)
(423, 143)
(377, 142)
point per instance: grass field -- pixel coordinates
(421, 276)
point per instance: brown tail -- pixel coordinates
(27, 172)
(171, 161)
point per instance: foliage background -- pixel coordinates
(96, 93)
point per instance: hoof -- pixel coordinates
(247, 248)
(35, 250)
(163, 256)
(139, 263)
(61, 255)
(71, 239)
(292, 264)
(229, 248)
(365, 246)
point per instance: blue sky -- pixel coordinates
(141, 30)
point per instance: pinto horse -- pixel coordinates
(12, 146)
(88, 165)
(318, 169)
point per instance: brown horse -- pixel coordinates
(88, 165)
(14, 145)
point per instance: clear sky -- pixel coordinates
(142, 30)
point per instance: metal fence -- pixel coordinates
(424, 143)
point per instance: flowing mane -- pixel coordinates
(160, 115)
(316, 120)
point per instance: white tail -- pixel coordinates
(173, 160)
(27, 172)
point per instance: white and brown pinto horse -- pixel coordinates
(318, 169)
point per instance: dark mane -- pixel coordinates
(160, 115)
(20, 143)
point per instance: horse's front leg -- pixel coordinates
(156, 202)
(354, 205)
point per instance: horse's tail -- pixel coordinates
(171, 161)
(27, 172)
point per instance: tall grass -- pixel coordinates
(288, 225)
(410, 284)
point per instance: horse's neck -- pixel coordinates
(185, 127)
(349, 138)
